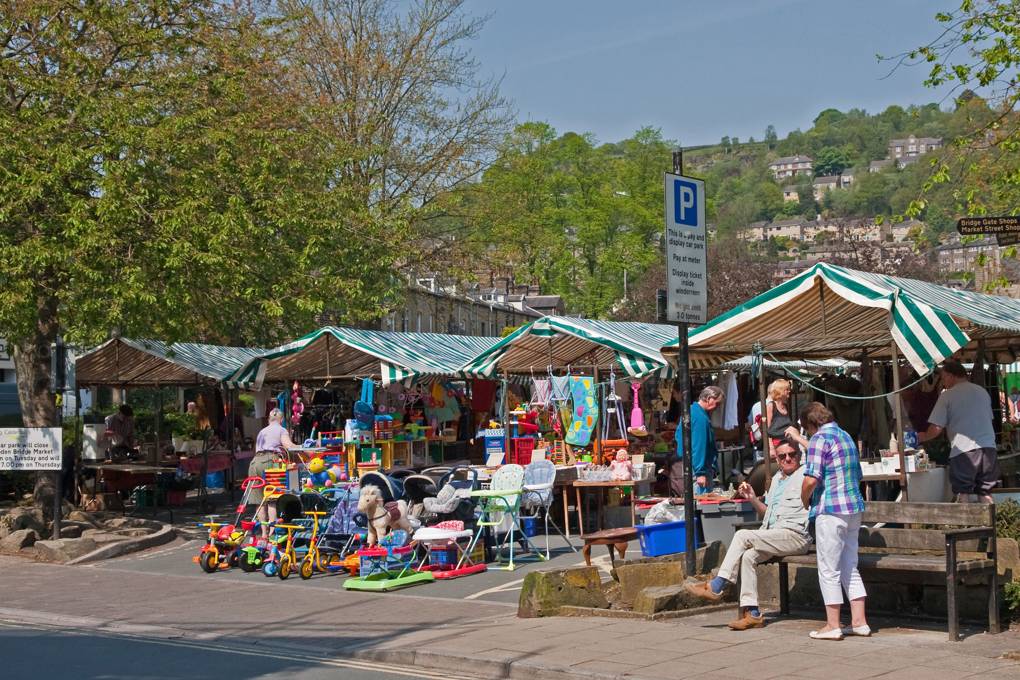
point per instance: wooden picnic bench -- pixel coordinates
(954, 539)
(614, 538)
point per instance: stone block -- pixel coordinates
(667, 570)
(16, 540)
(544, 592)
(102, 537)
(64, 549)
(666, 598)
(1008, 558)
(83, 518)
(70, 531)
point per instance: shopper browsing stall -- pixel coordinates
(965, 411)
(703, 450)
(272, 440)
(783, 532)
(832, 491)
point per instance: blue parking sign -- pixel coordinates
(685, 202)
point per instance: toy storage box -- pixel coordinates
(665, 538)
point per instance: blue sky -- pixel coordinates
(701, 70)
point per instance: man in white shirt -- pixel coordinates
(964, 411)
(783, 532)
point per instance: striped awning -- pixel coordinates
(832, 311)
(556, 342)
(333, 353)
(123, 362)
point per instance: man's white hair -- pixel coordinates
(276, 415)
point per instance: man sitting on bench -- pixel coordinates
(783, 532)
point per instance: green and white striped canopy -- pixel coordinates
(124, 362)
(560, 341)
(833, 311)
(333, 353)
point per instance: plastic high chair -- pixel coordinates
(539, 479)
(500, 503)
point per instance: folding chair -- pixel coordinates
(539, 479)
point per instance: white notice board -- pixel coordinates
(686, 250)
(30, 448)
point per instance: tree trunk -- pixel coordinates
(31, 357)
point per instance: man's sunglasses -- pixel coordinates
(791, 456)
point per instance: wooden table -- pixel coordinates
(579, 485)
(867, 480)
(614, 538)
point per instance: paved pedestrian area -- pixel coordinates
(476, 637)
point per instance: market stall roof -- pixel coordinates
(123, 362)
(806, 365)
(561, 341)
(333, 353)
(829, 311)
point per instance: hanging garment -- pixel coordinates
(731, 405)
(560, 385)
(483, 393)
(541, 392)
(585, 410)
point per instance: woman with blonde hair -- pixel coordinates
(778, 414)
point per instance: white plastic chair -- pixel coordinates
(502, 502)
(539, 479)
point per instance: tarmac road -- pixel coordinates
(493, 585)
(52, 652)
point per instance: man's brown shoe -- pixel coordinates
(703, 589)
(747, 621)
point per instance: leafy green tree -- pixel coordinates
(831, 161)
(979, 50)
(771, 137)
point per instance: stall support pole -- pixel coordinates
(505, 407)
(159, 417)
(898, 410)
(766, 442)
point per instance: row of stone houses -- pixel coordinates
(901, 152)
(802, 229)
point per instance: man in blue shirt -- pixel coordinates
(704, 453)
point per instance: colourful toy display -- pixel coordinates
(389, 566)
(585, 413)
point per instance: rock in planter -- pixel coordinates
(70, 531)
(83, 518)
(102, 537)
(544, 592)
(132, 523)
(22, 518)
(668, 598)
(16, 540)
(64, 549)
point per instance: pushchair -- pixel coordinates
(417, 490)
(454, 502)
(340, 534)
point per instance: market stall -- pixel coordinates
(833, 311)
(407, 380)
(125, 363)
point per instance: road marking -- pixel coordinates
(497, 589)
(376, 666)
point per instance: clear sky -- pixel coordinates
(701, 70)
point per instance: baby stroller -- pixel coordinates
(454, 501)
(417, 490)
(339, 536)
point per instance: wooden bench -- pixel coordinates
(961, 546)
(614, 538)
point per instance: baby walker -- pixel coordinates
(447, 557)
(388, 566)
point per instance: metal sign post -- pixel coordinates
(686, 303)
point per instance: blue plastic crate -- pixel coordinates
(214, 480)
(665, 539)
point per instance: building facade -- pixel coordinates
(912, 147)
(790, 166)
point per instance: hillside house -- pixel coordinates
(823, 184)
(790, 194)
(879, 166)
(912, 147)
(785, 229)
(790, 166)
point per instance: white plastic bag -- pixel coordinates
(663, 512)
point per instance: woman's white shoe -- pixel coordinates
(859, 631)
(834, 634)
